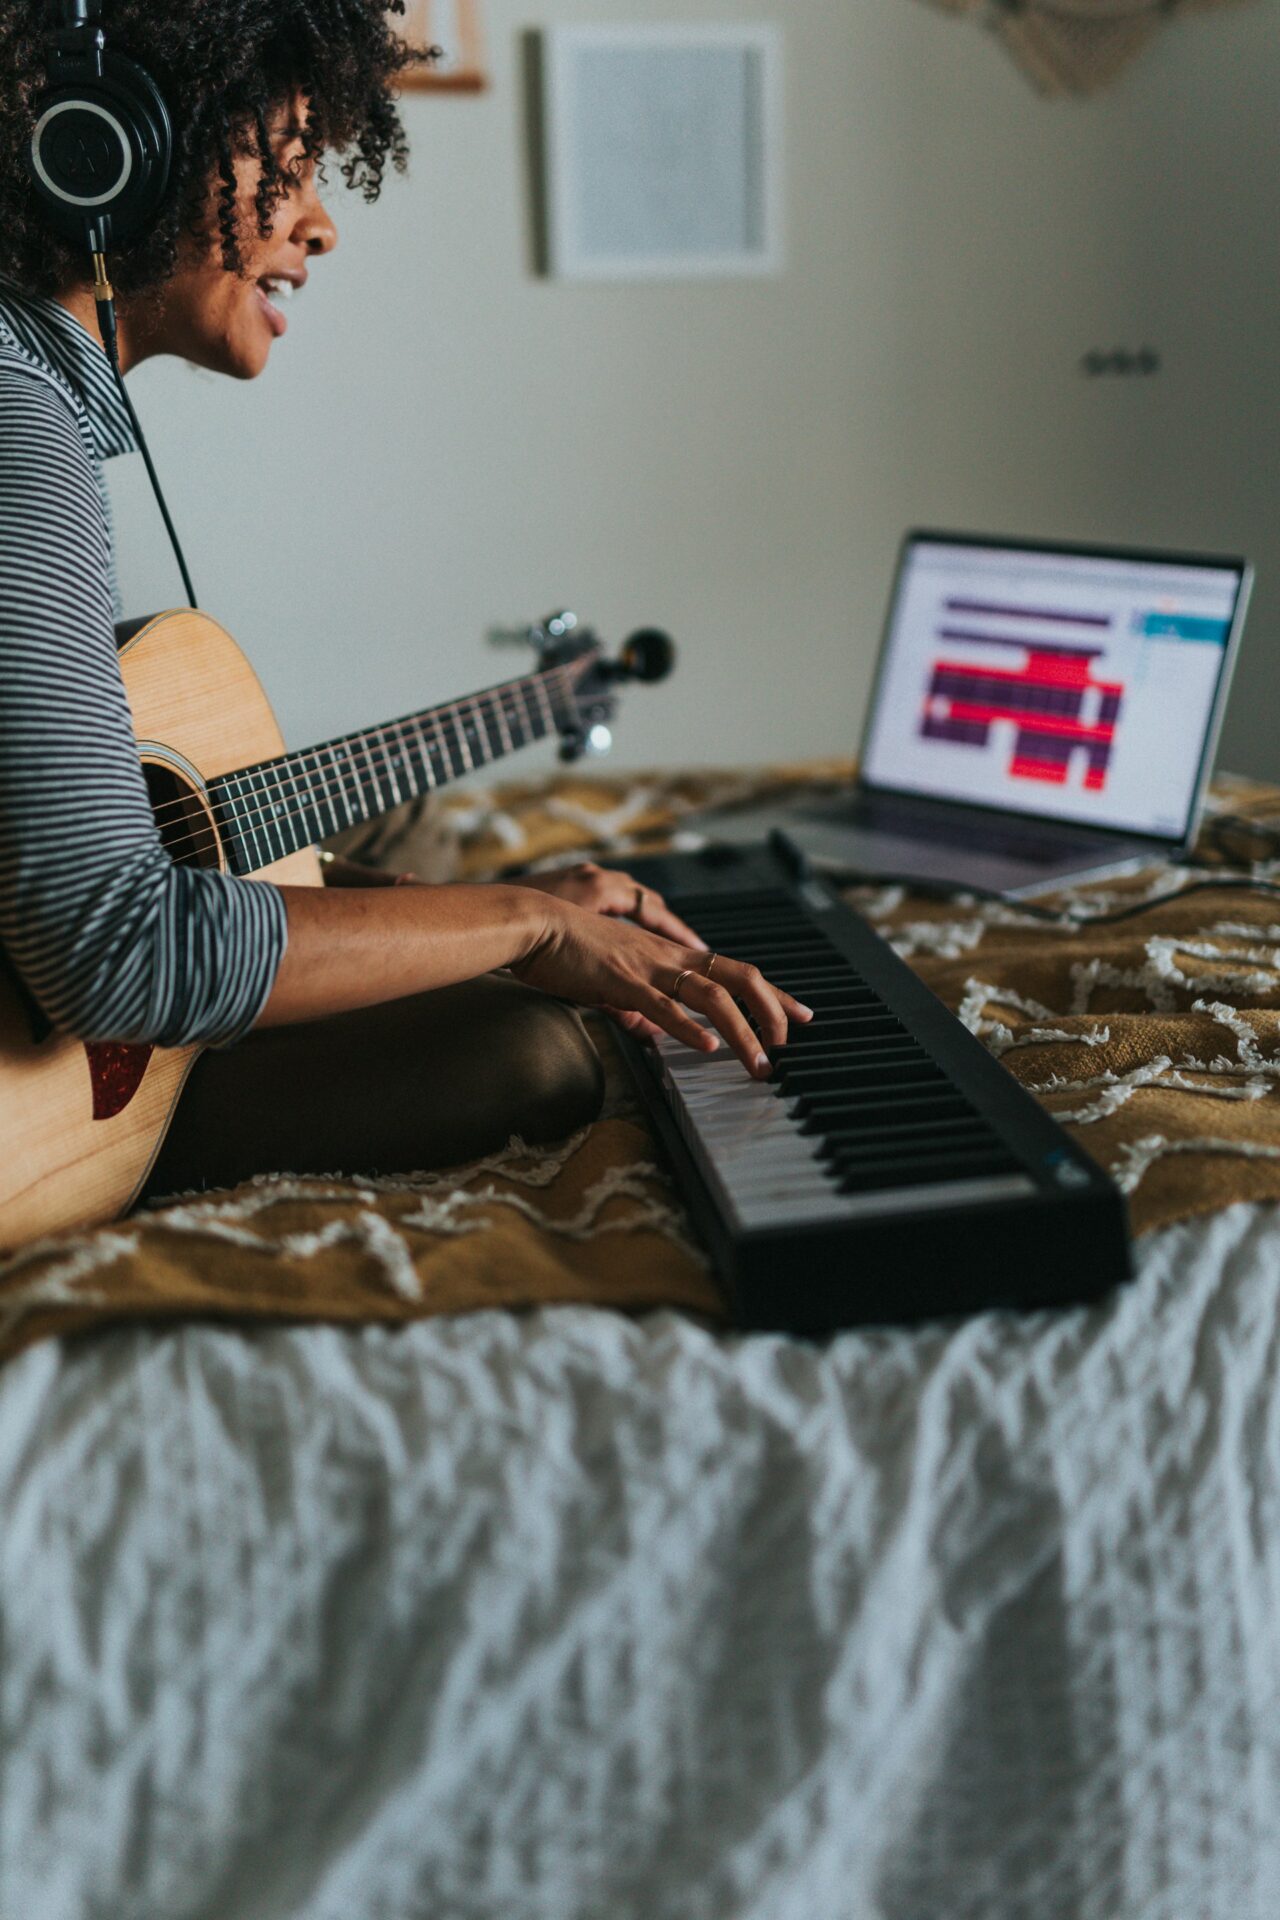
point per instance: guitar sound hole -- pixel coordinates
(183, 820)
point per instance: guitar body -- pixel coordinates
(81, 1122)
(81, 1125)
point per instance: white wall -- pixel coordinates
(443, 441)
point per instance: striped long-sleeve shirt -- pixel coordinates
(113, 941)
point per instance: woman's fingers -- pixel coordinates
(670, 1017)
(616, 893)
(653, 913)
(718, 1000)
(772, 1009)
(718, 1006)
(654, 985)
(634, 1023)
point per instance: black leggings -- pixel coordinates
(424, 1082)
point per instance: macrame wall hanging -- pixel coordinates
(1075, 46)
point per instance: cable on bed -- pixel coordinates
(938, 890)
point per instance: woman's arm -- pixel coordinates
(113, 941)
(356, 946)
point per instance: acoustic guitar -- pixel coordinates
(82, 1122)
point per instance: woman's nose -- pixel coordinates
(315, 226)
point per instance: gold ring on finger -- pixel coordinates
(707, 970)
(638, 908)
(680, 980)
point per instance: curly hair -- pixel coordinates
(225, 68)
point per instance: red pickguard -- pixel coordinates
(115, 1074)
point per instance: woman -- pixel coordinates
(358, 1027)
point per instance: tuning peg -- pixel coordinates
(649, 655)
(540, 634)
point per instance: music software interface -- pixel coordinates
(1080, 686)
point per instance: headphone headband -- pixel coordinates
(102, 146)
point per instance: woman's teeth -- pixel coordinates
(273, 293)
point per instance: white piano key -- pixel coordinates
(766, 1172)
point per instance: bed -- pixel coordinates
(332, 1585)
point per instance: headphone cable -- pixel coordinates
(104, 300)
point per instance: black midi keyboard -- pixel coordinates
(890, 1170)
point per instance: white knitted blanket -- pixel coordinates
(567, 1617)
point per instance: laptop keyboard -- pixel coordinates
(1033, 843)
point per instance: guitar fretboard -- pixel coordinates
(279, 806)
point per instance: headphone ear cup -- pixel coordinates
(102, 151)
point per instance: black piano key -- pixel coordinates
(849, 1156)
(829, 999)
(854, 1076)
(845, 1046)
(781, 946)
(850, 1067)
(811, 1043)
(841, 1026)
(794, 979)
(773, 960)
(878, 1176)
(874, 1128)
(817, 1112)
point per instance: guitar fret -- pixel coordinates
(311, 816)
(490, 731)
(254, 798)
(338, 787)
(367, 788)
(474, 718)
(370, 780)
(330, 789)
(504, 732)
(446, 764)
(353, 781)
(507, 697)
(468, 765)
(404, 757)
(273, 809)
(390, 759)
(531, 728)
(425, 754)
(257, 826)
(408, 739)
(541, 691)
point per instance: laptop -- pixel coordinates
(1042, 714)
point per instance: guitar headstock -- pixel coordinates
(588, 676)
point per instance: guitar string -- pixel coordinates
(260, 822)
(377, 736)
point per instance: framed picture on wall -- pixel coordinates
(454, 27)
(662, 151)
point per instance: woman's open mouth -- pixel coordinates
(273, 289)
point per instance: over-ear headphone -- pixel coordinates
(100, 155)
(102, 145)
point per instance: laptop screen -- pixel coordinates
(1082, 686)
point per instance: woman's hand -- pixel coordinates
(603, 890)
(649, 983)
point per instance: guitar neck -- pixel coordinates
(279, 806)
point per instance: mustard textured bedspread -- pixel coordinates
(1156, 1039)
